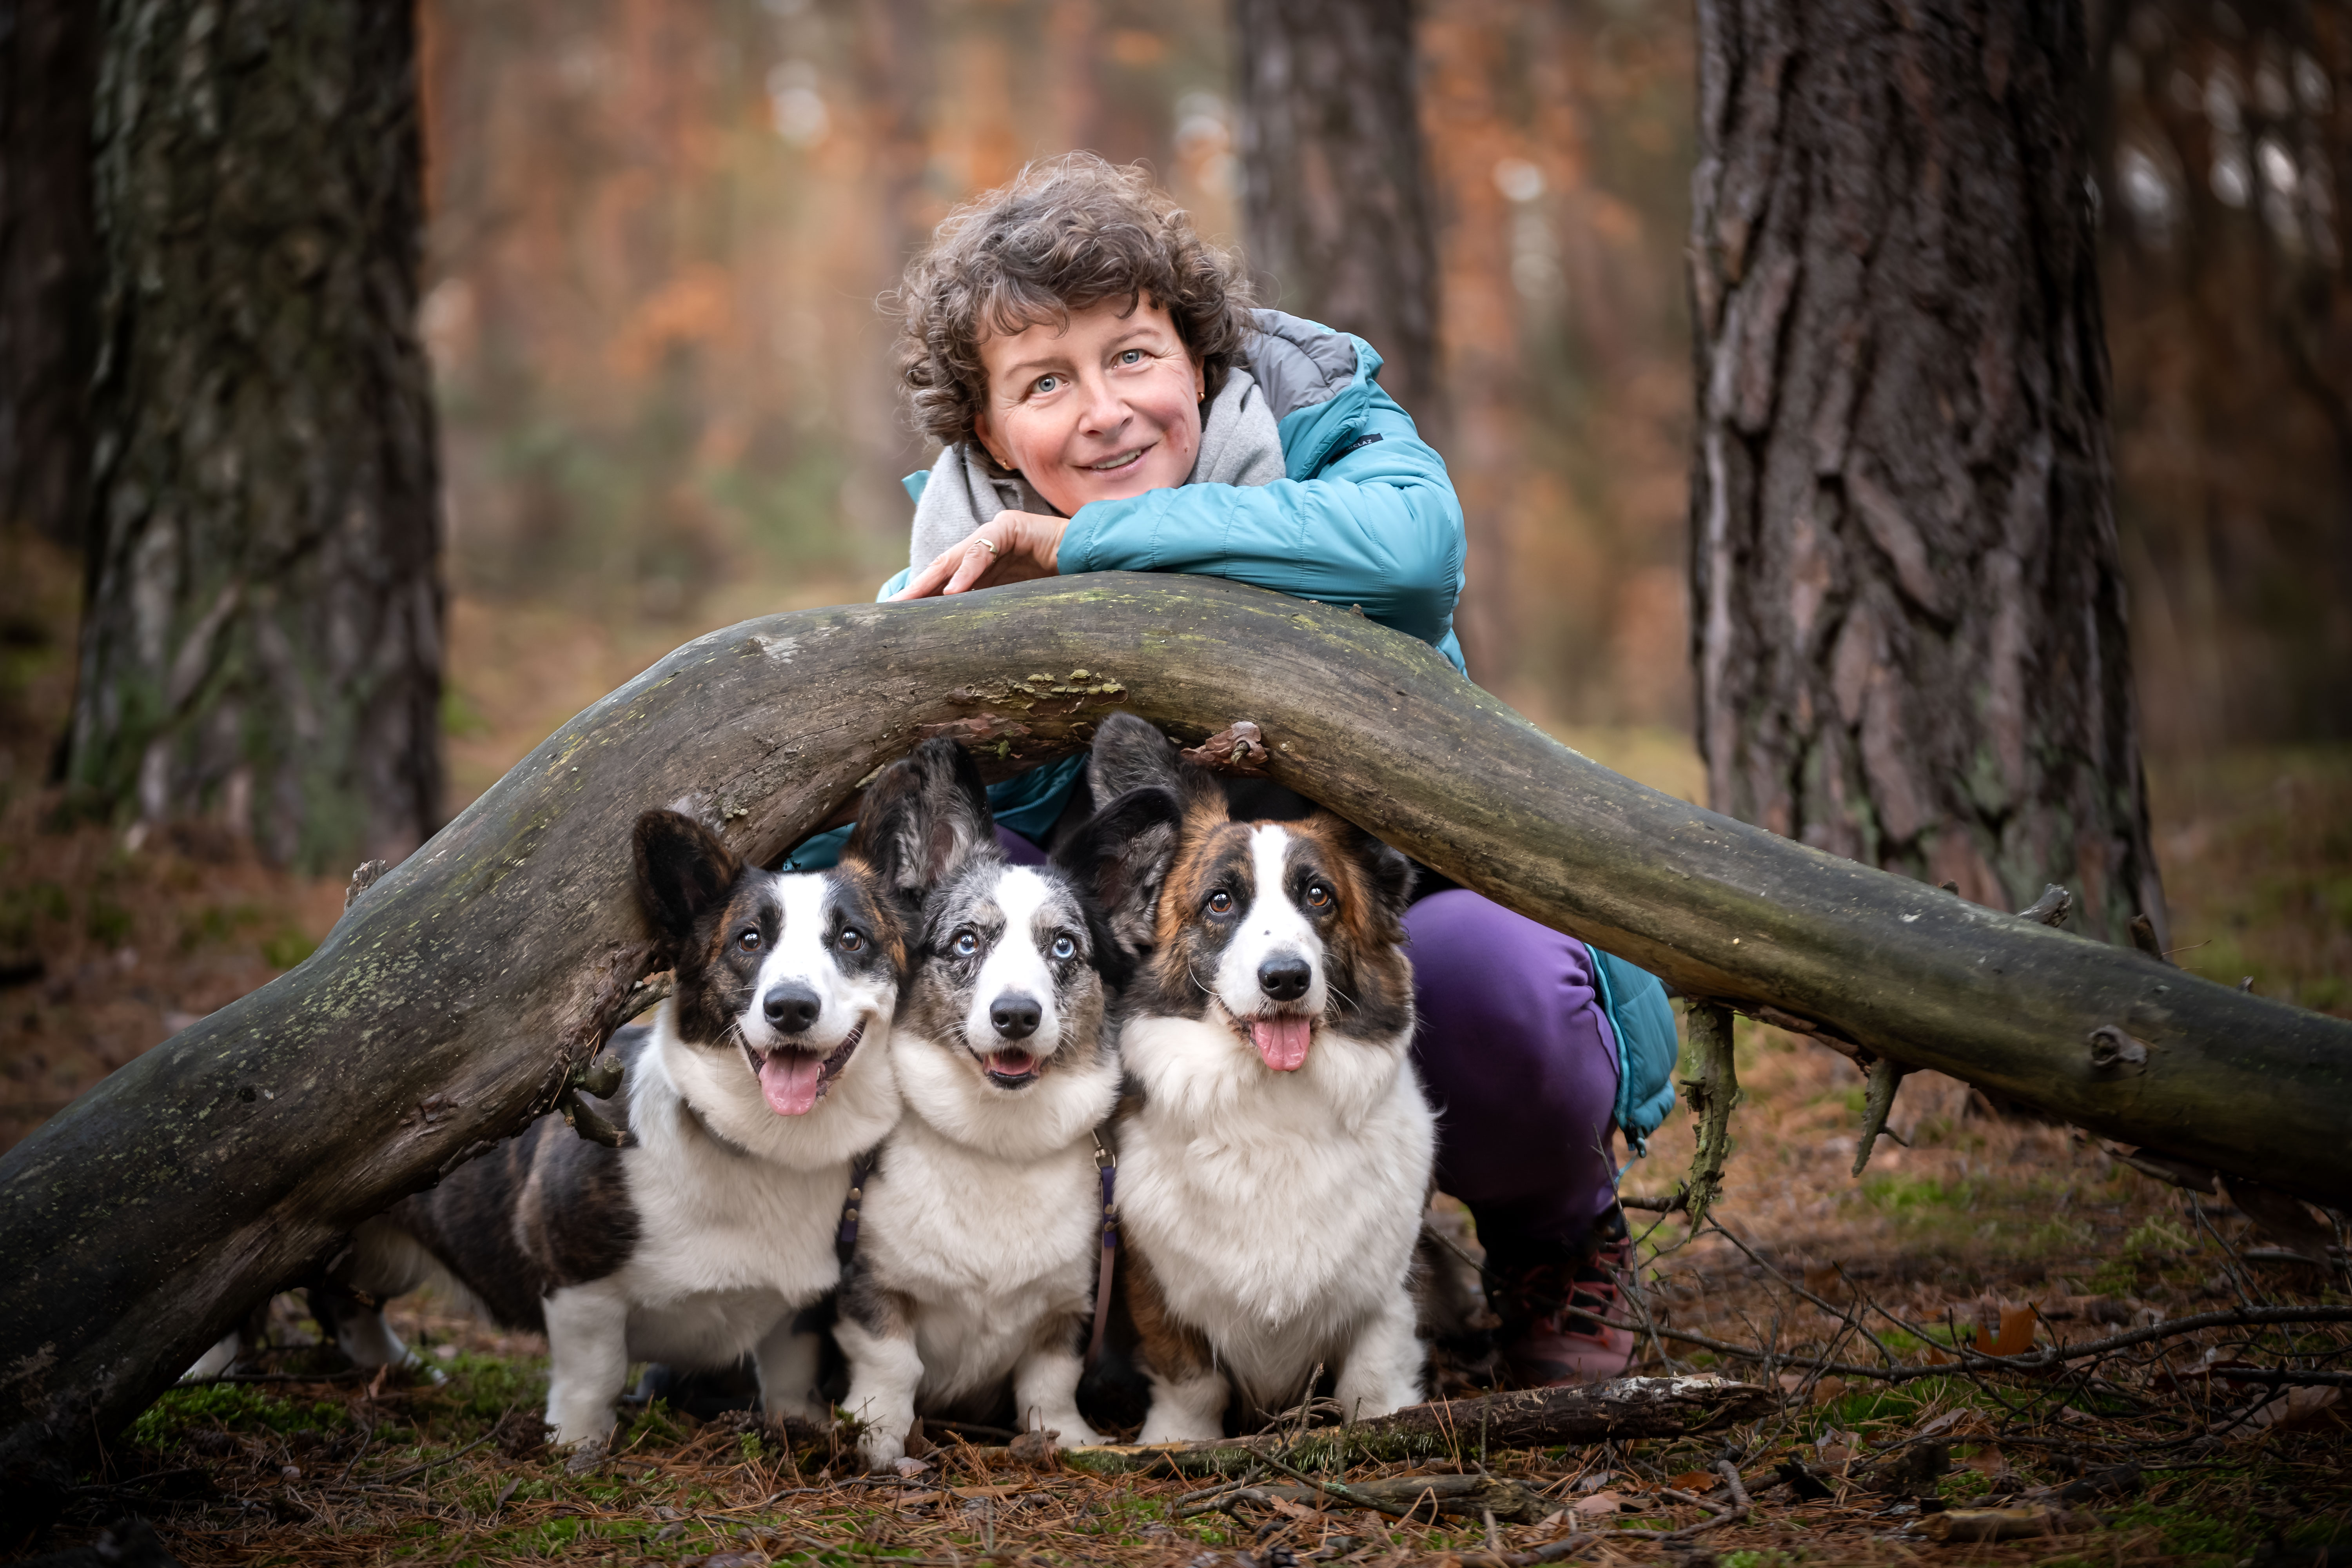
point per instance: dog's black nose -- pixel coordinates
(792, 1008)
(1284, 977)
(1015, 1016)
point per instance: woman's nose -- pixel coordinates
(1104, 408)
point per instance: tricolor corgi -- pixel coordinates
(764, 1074)
(1276, 1149)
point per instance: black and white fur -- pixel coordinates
(1276, 1149)
(763, 1076)
(973, 1279)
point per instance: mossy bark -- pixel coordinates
(459, 991)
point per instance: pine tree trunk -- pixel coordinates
(48, 67)
(1909, 619)
(262, 646)
(1337, 207)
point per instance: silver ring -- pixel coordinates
(988, 544)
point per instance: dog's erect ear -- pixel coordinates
(1130, 753)
(1390, 872)
(1122, 854)
(682, 870)
(924, 817)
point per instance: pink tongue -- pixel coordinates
(790, 1080)
(1281, 1041)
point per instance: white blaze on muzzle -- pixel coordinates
(804, 1013)
(1013, 1019)
(1258, 978)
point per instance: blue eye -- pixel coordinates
(1065, 948)
(1045, 384)
(963, 944)
(1131, 356)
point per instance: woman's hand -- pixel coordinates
(1010, 547)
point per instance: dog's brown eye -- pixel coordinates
(850, 941)
(1318, 897)
(1221, 902)
(750, 940)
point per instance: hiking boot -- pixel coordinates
(1545, 1339)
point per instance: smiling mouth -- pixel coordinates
(1113, 465)
(1280, 1039)
(1011, 1069)
(792, 1082)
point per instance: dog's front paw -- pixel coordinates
(881, 1449)
(587, 1455)
(1174, 1427)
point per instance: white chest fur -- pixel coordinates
(984, 1215)
(1278, 1210)
(737, 1207)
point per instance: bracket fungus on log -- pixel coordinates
(460, 993)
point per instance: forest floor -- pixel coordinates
(107, 947)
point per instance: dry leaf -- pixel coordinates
(1695, 1480)
(1602, 1502)
(2282, 1218)
(2298, 1407)
(1828, 1389)
(2016, 1336)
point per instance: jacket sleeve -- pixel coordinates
(1378, 527)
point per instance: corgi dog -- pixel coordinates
(764, 1074)
(1276, 1147)
(973, 1280)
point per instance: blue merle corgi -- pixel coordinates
(970, 1292)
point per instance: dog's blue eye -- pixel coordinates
(850, 940)
(750, 940)
(1318, 897)
(1065, 948)
(963, 944)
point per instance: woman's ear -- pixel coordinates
(985, 434)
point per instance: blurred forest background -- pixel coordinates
(657, 231)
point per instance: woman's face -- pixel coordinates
(1104, 407)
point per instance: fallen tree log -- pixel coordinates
(462, 990)
(1620, 1410)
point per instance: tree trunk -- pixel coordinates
(454, 998)
(1909, 619)
(48, 71)
(1337, 208)
(262, 646)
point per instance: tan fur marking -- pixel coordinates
(1176, 1350)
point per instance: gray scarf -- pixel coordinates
(1239, 446)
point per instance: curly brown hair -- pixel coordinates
(1067, 233)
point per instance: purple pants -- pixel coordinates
(1518, 1056)
(1515, 1052)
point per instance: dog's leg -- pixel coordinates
(1188, 1392)
(876, 1333)
(1382, 1373)
(1045, 1383)
(788, 1363)
(217, 1360)
(587, 1359)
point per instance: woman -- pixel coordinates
(1107, 400)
